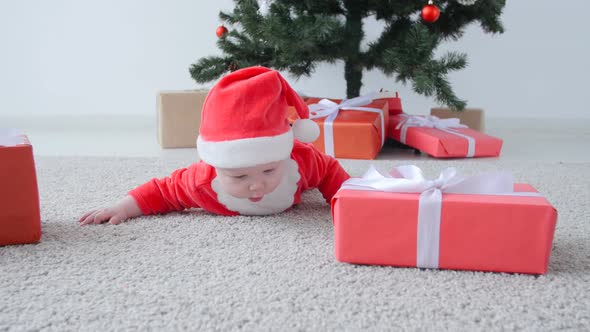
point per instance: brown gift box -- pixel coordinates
(179, 117)
(471, 117)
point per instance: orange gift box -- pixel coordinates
(501, 233)
(20, 221)
(393, 100)
(452, 142)
(356, 134)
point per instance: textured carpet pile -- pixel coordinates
(196, 271)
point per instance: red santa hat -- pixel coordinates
(244, 120)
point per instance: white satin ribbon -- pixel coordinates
(11, 137)
(329, 109)
(432, 121)
(409, 179)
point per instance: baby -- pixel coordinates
(252, 161)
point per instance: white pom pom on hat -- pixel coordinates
(306, 130)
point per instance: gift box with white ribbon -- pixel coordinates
(442, 138)
(354, 128)
(20, 221)
(483, 223)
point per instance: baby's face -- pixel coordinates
(251, 182)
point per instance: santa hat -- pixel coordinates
(244, 120)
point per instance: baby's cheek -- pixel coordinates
(233, 189)
(275, 181)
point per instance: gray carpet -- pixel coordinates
(195, 271)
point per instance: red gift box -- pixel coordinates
(393, 99)
(442, 138)
(503, 232)
(20, 221)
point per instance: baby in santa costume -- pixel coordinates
(252, 161)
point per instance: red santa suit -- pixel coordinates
(196, 187)
(243, 124)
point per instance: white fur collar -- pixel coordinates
(277, 201)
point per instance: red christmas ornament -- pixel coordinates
(430, 12)
(221, 30)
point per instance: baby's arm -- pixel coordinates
(125, 209)
(173, 193)
(321, 171)
(176, 192)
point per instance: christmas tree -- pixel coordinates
(297, 35)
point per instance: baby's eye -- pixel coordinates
(268, 171)
(239, 177)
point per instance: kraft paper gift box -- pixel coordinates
(353, 129)
(179, 117)
(442, 138)
(471, 117)
(20, 220)
(481, 223)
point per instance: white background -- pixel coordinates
(65, 57)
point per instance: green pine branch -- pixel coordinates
(297, 35)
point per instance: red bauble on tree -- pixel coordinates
(430, 12)
(221, 31)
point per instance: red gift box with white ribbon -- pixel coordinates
(484, 222)
(442, 138)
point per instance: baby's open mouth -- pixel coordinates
(255, 199)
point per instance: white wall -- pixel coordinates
(108, 56)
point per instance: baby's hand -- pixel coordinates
(124, 209)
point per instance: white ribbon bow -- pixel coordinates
(409, 179)
(329, 109)
(11, 137)
(432, 121)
